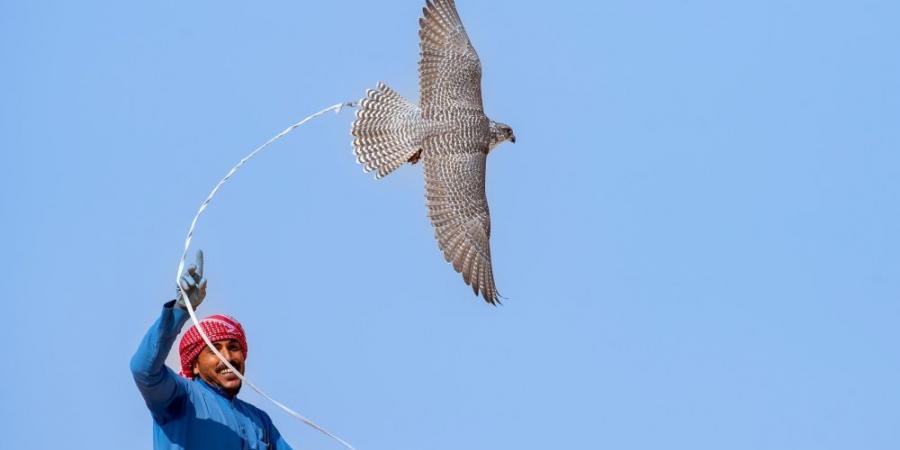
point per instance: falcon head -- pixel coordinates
(500, 132)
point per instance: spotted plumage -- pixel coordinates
(449, 132)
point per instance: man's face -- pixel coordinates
(210, 369)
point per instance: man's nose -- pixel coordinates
(227, 353)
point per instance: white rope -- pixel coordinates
(187, 243)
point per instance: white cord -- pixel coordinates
(187, 243)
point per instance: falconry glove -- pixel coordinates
(193, 284)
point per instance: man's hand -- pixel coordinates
(193, 284)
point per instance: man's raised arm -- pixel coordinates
(158, 384)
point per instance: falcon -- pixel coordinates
(449, 132)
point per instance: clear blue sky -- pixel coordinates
(696, 231)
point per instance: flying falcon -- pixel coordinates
(449, 132)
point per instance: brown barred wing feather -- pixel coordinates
(458, 209)
(449, 69)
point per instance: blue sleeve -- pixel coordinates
(161, 388)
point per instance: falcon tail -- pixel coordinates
(389, 131)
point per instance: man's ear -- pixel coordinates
(196, 369)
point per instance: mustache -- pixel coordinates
(235, 364)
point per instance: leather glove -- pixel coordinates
(192, 283)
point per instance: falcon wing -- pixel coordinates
(458, 209)
(449, 69)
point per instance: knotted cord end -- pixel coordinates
(341, 107)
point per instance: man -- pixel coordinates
(199, 409)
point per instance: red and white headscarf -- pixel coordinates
(217, 327)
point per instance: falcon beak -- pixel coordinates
(512, 139)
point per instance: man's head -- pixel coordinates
(197, 359)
